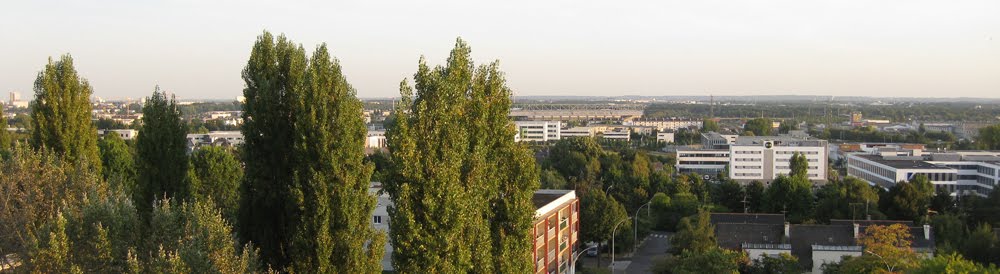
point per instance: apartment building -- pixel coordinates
(556, 229)
(958, 172)
(375, 139)
(537, 131)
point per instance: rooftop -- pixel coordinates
(546, 200)
(900, 164)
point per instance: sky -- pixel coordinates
(197, 49)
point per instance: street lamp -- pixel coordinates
(635, 229)
(572, 263)
(613, 239)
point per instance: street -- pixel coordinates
(653, 248)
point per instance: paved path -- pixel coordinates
(653, 248)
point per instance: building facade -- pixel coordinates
(556, 229)
(958, 172)
(667, 124)
(765, 158)
(537, 131)
(753, 158)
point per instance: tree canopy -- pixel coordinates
(61, 114)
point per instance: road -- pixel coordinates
(654, 248)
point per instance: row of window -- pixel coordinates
(748, 152)
(747, 167)
(800, 152)
(747, 174)
(748, 159)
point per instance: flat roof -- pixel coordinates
(901, 164)
(547, 200)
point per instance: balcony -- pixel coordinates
(539, 241)
(552, 232)
(552, 255)
(564, 223)
(539, 265)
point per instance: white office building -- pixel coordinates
(537, 131)
(665, 137)
(125, 134)
(958, 172)
(754, 158)
(764, 158)
(214, 138)
(665, 124)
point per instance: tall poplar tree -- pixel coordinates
(333, 231)
(461, 187)
(273, 79)
(161, 152)
(61, 114)
(5, 144)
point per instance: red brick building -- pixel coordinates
(557, 225)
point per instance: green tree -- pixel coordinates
(36, 186)
(577, 159)
(462, 188)
(215, 174)
(952, 263)
(599, 213)
(333, 233)
(799, 166)
(758, 126)
(61, 114)
(909, 200)
(273, 80)
(755, 191)
(982, 245)
(551, 179)
(792, 195)
(845, 199)
(106, 235)
(119, 163)
(729, 194)
(949, 232)
(709, 125)
(713, 260)
(942, 202)
(989, 137)
(5, 142)
(785, 263)
(161, 148)
(694, 234)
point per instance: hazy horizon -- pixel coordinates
(552, 48)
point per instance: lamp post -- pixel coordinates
(613, 239)
(635, 229)
(572, 263)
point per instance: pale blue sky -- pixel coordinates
(196, 49)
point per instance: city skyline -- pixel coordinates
(854, 48)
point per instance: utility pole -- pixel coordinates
(746, 208)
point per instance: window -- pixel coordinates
(377, 219)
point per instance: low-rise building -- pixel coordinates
(214, 138)
(578, 132)
(665, 137)
(125, 134)
(664, 124)
(537, 131)
(813, 244)
(750, 158)
(958, 172)
(375, 139)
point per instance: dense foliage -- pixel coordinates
(161, 158)
(61, 114)
(460, 186)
